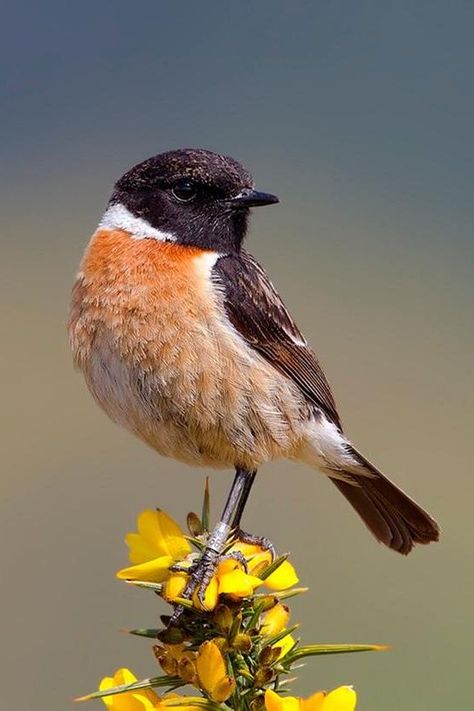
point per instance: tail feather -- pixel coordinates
(392, 517)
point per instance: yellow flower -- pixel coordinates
(341, 699)
(275, 620)
(229, 579)
(158, 544)
(174, 586)
(212, 674)
(139, 700)
(258, 559)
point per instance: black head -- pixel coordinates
(199, 197)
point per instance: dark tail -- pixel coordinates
(392, 517)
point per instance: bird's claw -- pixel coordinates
(201, 575)
(239, 557)
(179, 567)
(261, 541)
(201, 572)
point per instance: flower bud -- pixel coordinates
(242, 642)
(187, 670)
(222, 618)
(222, 644)
(194, 524)
(263, 676)
(257, 704)
(268, 602)
(171, 635)
(158, 651)
(165, 660)
(268, 655)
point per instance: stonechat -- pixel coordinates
(183, 339)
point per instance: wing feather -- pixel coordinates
(257, 312)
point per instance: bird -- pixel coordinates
(183, 339)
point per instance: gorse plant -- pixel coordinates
(233, 643)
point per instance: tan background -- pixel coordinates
(359, 115)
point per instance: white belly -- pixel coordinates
(218, 409)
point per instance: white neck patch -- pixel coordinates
(117, 217)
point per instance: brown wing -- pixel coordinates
(259, 315)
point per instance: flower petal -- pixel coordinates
(314, 702)
(122, 676)
(154, 571)
(274, 702)
(238, 583)
(259, 562)
(284, 577)
(210, 667)
(161, 531)
(140, 550)
(227, 565)
(247, 549)
(343, 698)
(257, 558)
(275, 620)
(211, 596)
(223, 689)
(174, 586)
(140, 700)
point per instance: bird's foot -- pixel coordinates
(202, 570)
(200, 575)
(261, 541)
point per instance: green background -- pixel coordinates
(359, 115)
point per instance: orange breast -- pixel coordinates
(141, 291)
(149, 332)
(116, 260)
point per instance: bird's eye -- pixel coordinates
(184, 190)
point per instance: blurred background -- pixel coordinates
(359, 116)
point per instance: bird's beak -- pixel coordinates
(252, 198)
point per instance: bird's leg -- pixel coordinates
(245, 537)
(230, 519)
(204, 569)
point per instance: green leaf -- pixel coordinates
(188, 604)
(156, 587)
(292, 592)
(270, 641)
(282, 595)
(143, 684)
(192, 701)
(312, 650)
(196, 543)
(243, 671)
(206, 506)
(252, 621)
(273, 566)
(151, 632)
